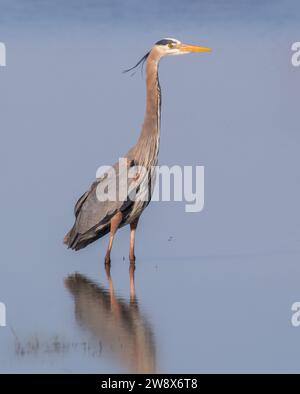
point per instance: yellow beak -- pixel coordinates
(192, 48)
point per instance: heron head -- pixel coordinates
(166, 47)
(171, 46)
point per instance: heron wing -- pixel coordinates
(93, 210)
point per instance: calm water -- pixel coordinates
(211, 291)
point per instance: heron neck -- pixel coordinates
(148, 143)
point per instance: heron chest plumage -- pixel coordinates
(145, 152)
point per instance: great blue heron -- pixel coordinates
(96, 217)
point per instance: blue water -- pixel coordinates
(212, 290)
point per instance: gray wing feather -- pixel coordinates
(93, 213)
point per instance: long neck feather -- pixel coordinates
(146, 149)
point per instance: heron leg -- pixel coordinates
(114, 225)
(132, 286)
(133, 227)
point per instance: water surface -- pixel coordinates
(211, 291)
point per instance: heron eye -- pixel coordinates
(170, 45)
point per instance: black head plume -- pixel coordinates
(142, 61)
(165, 41)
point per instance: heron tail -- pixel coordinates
(70, 237)
(77, 241)
(67, 238)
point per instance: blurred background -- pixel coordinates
(213, 290)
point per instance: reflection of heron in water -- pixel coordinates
(117, 323)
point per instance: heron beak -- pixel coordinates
(186, 48)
